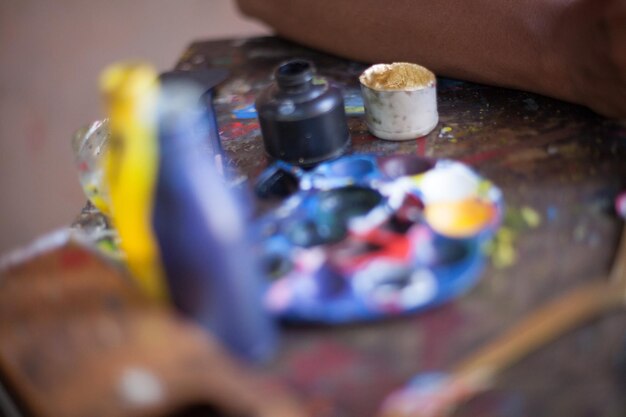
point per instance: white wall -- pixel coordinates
(51, 53)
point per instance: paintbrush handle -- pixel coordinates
(549, 322)
(479, 371)
(539, 328)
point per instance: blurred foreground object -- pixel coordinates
(131, 169)
(212, 272)
(182, 230)
(76, 339)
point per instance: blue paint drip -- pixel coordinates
(552, 213)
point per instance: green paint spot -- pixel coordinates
(355, 109)
(501, 249)
(484, 186)
(530, 216)
(109, 247)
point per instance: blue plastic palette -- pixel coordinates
(365, 237)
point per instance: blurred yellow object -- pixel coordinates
(459, 218)
(131, 168)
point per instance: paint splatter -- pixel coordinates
(484, 156)
(445, 132)
(354, 104)
(421, 146)
(552, 213)
(246, 112)
(530, 216)
(501, 248)
(238, 130)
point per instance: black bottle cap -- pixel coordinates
(295, 73)
(302, 122)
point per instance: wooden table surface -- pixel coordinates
(559, 159)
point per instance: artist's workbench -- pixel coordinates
(558, 159)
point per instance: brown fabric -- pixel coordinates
(573, 50)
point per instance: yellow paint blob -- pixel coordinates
(459, 218)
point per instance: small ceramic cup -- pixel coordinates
(400, 100)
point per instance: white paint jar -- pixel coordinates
(399, 107)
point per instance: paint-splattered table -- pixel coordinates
(554, 159)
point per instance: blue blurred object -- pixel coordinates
(205, 81)
(212, 273)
